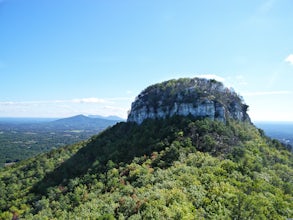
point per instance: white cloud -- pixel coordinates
(267, 93)
(67, 107)
(289, 59)
(121, 99)
(240, 80)
(70, 101)
(211, 76)
(89, 100)
(82, 100)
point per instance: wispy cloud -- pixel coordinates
(235, 81)
(240, 80)
(88, 100)
(289, 59)
(267, 93)
(128, 92)
(121, 99)
(260, 18)
(229, 81)
(211, 76)
(267, 6)
(67, 107)
(99, 101)
(81, 100)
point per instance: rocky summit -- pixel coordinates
(201, 98)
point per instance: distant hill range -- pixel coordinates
(82, 122)
(21, 120)
(110, 117)
(21, 138)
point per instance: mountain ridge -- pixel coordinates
(80, 121)
(109, 117)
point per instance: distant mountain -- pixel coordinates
(22, 138)
(110, 117)
(82, 122)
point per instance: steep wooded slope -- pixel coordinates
(172, 168)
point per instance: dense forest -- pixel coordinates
(176, 168)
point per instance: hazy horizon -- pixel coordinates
(105, 116)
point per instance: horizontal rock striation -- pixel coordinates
(198, 97)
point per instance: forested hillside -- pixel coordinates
(176, 168)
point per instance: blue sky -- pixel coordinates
(60, 58)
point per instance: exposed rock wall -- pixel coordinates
(197, 97)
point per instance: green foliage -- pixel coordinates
(178, 168)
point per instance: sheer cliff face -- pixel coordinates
(200, 98)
